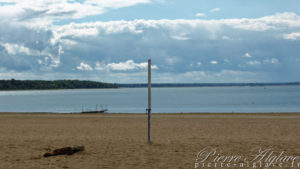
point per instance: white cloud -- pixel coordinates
(225, 37)
(139, 77)
(292, 36)
(172, 60)
(123, 66)
(179, 37)
(199, 63)
(36, 14)
(215, 10)
(84, 67)
(76, 30)
(271, 61)
(116, 3)
(99, 66)
(222, 76)
(178, 28)
(19, 49)
(40, 61)
(110, 42)
(254, 63)
(66, 42)
(227, 61)
(273, 22)
(213, 62)
(200, 15)
(93, 29)
(128, 65)
(14, 49)
(43, 13)
(247, 55)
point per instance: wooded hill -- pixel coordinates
(56, 84)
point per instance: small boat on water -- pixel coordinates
(96, 111)
(102, 110)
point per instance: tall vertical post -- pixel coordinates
(149, 100)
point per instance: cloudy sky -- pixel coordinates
(188, 41)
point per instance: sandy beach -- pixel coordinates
(120, 140)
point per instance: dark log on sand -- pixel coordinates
(65, 151)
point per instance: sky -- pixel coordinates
(191, 41)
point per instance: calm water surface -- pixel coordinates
(134, 100)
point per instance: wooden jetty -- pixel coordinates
(96, 111)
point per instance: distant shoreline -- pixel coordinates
(13, 84)
(187, 113)
(58, 89)
(20, 85)
(144, 85)
(153, 86)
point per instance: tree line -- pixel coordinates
(55, 84)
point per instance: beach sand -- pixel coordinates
(120, 140)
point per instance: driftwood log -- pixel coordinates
(65, 151)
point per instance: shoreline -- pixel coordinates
(181, 113)
(16, 90)
(187, 85)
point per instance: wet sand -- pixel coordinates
(120, 140)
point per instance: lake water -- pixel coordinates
(134, 100)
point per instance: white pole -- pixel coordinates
(149, 100)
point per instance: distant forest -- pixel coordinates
(56, 84)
